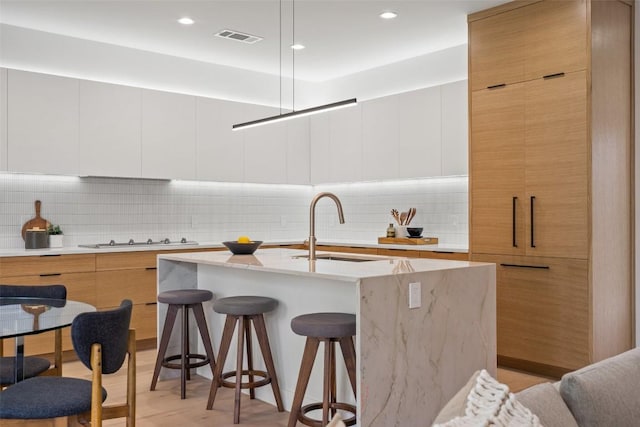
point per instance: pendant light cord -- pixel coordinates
(293, 55)
(280, 25)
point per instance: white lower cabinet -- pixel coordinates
(110, 127)
(168, 135)
(42, 123)
(220, 150)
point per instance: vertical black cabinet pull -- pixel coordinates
(513, 221)
(533, 198)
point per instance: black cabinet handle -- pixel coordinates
(553, 76)
(533, 198)
(50, 255)
(151, 268)
(513, 221)
(50, 274)
(540, 267)
(151, 303)
(496, 86)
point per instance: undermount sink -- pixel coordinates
(334, 257)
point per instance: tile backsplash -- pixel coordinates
(96, 210)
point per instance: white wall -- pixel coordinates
(96, 210)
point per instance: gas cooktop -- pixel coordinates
(131, 242)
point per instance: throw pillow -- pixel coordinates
(487, 403)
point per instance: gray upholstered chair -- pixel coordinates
(102, 341)
(33, 365)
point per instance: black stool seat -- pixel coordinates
(185, 300)
(245, 305)
(185, 296)
(329, 329)
(244, 310)
(329, 325)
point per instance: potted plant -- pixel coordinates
(55, 236)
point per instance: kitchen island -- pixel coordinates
(410, 361)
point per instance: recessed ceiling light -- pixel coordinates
(388, 15)
(186, 21)
(297, 46)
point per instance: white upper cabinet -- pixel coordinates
(336, 146)
(265, 147)
(381, 156)
(220, 150)
(42, 123)
(455, 129)
(3, 119)
(110, 126)
(419, 142)
(298, 151)
(168, 135)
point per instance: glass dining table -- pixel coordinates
(20, 317)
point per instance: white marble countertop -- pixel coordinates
(286, 261)
(210, 245)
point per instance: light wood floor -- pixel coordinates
(163, 407)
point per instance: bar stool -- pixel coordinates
(184, 299)
(328, 328)
(244, 309)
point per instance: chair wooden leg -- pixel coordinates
(57, 358)
(131, 380)
(225, 343)
(263, 340)
(349, 354)
(198, 313)
(169, 321)
(308, 357)
(249, 344)
(96, 385)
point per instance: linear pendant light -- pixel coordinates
(299, 113)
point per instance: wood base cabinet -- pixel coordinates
(551, 177)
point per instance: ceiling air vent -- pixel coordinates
(238, 36)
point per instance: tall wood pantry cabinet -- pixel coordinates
(550, 91)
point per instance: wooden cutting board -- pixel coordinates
(37, 222)
(408, 240)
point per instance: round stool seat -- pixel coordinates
(325, 325)
(185, 296)
(245, 305)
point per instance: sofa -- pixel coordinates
(603, 394)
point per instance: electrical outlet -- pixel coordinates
(415, 295)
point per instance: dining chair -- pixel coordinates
(33, 365)
(102, 340)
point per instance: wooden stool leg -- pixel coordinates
(198, 313)
(185, 373)
(263, 340)
(238, 389)
(309, 355)
(172, 312)
(326, 389)
(249, 344)
(349, 354)
(225, 343)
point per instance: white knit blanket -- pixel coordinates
(489, 403)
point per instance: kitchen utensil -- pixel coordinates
(412, 213)
(403, 218)
(395, 215)
(243, 248)
(37, 222)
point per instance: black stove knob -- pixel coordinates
(112, 242)
(149, 241)
(183, 240)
